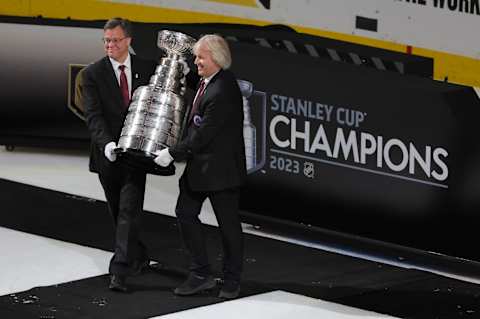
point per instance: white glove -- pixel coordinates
(108, 151)
(186, 69)
(163, 158)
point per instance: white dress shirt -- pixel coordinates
(205, 81)
(127, 70)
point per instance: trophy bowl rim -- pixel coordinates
(186, 41)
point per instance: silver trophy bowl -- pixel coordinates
(156, 112)
(175, 43)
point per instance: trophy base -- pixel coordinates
(143, 161)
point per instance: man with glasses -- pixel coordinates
(108, 85)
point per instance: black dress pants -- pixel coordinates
(225, 206)
(125, 191)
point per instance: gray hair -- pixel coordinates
(218, 47)
(123, 23)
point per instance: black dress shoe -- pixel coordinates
(195, 284)
(230, 290)
(140, 266)
(118, 283)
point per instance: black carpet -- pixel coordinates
(269, 265)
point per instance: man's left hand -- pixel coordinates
(163, 158)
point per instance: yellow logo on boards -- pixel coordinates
(246, 3)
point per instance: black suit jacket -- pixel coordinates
(214, 146)
(104, 108)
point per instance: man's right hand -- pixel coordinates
(109, 153)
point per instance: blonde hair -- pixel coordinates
(218, 47)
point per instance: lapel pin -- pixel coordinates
(136, 75)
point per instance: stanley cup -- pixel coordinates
(249, 130)
(156, 114)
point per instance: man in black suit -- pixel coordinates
(215, 153)
(107, 87)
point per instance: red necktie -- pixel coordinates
(124, 86)
(197, 99)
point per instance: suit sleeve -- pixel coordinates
(217, 112)
(97, 126)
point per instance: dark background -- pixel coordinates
(401, 103)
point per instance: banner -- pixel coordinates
(360, 151)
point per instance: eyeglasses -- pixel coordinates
(114, 41)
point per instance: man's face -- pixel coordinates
(205, 64)
(116, 43)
